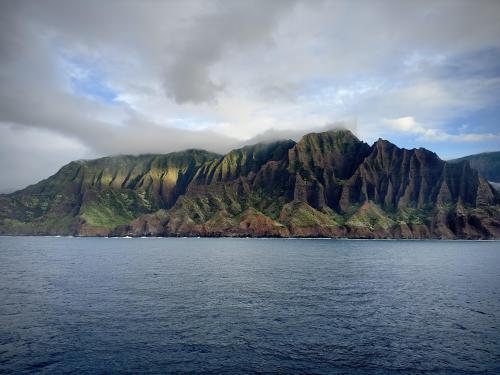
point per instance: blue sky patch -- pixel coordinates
(87, 79)
(94, 87)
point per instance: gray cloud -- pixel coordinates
(229, 24)
(30, 155)
(215, 75)
(295, 135)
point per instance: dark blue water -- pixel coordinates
(88, 305)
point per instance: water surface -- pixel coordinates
(95, 305)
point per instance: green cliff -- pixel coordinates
(328, 184)
(93, 197)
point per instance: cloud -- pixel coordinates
(133, 77)
(295, 135)
(30, 155)
(409, 125)
(235, 24)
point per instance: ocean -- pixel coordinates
(231, 306)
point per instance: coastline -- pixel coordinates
(258, 238)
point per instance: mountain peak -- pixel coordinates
(337, 149)
(333, 136)
(328, 184)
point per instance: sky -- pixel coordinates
(84, 79)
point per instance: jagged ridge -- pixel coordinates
(327, 184)
(92, 197)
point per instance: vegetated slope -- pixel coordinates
(331, 184)
(93, 197)
(327, 184)
(486, 163)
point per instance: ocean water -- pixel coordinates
(167, 305)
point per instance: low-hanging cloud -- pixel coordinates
(219, 74)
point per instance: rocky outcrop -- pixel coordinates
(321, 162)
(328, 184)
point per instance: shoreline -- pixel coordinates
(255, 238)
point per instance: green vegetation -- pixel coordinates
(328, 184)
(370, 216)
(300, 214)
(111, 208)
(411, 215)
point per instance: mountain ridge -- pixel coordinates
(328, 184)
(486, 163)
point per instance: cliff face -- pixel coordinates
(328, 184)
(93, 197)
(321, 163)
(486, 163)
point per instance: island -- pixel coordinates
(328, 184)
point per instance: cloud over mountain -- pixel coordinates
(84, 79)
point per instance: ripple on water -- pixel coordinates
(245, 306)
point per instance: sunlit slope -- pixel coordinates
(327, 184)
